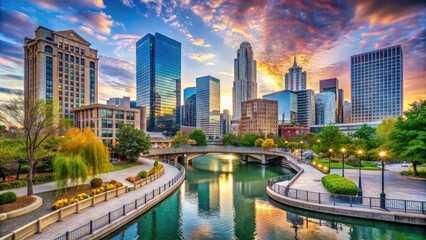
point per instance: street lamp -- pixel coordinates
(382, 155)
(301, 150)
(343, 161)
(330, 151)
(359, 177)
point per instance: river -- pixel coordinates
(223, 198)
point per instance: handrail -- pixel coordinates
(399, 205)
(100, 222)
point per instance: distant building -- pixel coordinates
(235, 127)
(295, 79)
(208, 106)
(347, 112)
(305, 107)
(245, 78)
(225, 122)
(259, 116)
(119, 102)
(377, 84)
(60, 66)
(332, 85)
(325, 108)
(105, 120)
(190, 114)
(188, 92)
(287, 106)
(347, 128)
(158, 81)
(290, 131)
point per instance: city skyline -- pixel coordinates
(210, 37)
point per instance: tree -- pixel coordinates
(180, 139)
(268, 143)
(199, 137)
(368, 134)
(90, 148)
(37, 121)
(292, 145)
(408, 139)
(259, 142)
(384, 130)
(132, 142)
(331, 138)
(230, 139)
(69, 166)
(249, 139)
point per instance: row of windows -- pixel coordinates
(71, 83)
(71, 48)
(384, 53)
(49, 78)
(71, 58)
(71, 100)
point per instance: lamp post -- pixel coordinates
(359, 177)
(312, 153)
(301, 150)
(343, 161)
(382, 155)
(330, 151)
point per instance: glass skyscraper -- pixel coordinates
(158, 80)
(332, 85)
(208, 106)
(287, 106)
(377, 84)
(325, 108)
(295, 79)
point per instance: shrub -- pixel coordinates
(143, 174)
(155, 163)
(43, 179)
(151, 172)
(339, 185)
(110, 186)
(14, 184)
(7, 197)
(130, 179)
(96, 182)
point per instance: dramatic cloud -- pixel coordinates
(97, 20)
(226, 73)
(128, 3)
(58, 5)
(9, 90)
(201, 57)
(16, 25)
(11, 77)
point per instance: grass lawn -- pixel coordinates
(123, 165)
(336, 165)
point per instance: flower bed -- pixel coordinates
(143, 174)
(339, 185)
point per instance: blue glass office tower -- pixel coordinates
(377, 84)
(158, 80)
(287, 106)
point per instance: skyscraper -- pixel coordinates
(208, 106)
(189, 107)
(287, 106)
(61, 66)
(325, 108)
(259, 116)
(158, 79)
(377, 84)
(332, 85)
(305, 107)
(225, 122)
(295, 79)
(245, 80)
(347, 112)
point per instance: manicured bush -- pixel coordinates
(339, 185)
(96, 182)
(43, 179)
(143, 174)
(7, 197)
(13, 184)
(155, 163)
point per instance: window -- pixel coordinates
(66, 46)
(106, 113)
(66, 57)
(92, 64)
(130, 116)
(71, 58)
(106, 123)
(72, 48)
(60, 44)
(119, 114)
(82, 51)
(118, 123)
(48, 49)
(106, 133)
(82, 61)
(77, 60)
(59, 55)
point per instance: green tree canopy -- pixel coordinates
(408, 139)
(69, 166)
(268, 143)
(132, 142)
(199, 137)
(384, 130)
(249, 140)
(230, 139)
(368, 134)
(180, 139)
(331, 138)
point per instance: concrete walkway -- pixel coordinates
(310, 180)
(74, 221)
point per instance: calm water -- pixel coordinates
(225, 199)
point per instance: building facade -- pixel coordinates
(295, 79)
(190, 111)
(245, 78)
(332, 85)
(105, 120)
(347, 128)
(305, 107)
(208, 106)
(287, 106)
(259, 116)
(60, 66)
(325, 108)
(291, 131)
(225, 122)
(158, 81)
(347, 112)
(377, 84)
(119, 102)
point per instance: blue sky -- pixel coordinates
(323, 34)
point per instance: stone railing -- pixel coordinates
(147, 180)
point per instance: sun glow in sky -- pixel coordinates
(323, 34)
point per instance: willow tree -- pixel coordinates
(69, 167)
(90, 148)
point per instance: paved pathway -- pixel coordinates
(310, 180)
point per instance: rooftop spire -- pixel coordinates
(294, 63)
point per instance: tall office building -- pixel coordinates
(119, 102)
(305, 107)
(332, 85)
(347, 112)
(61, 66)
(225, 122)
(377, 84)
(208, 106)
(245, 80)
(287, 106)
(259, 116)
(158, 79)
(295, 79)
(325, 108)
(190, 111)
(188, 92)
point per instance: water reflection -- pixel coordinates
(223, 198)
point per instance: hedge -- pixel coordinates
(23, 183)
(339, 185)
(7, 197)
(96, 182)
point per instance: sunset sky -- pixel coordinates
(323, 35)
